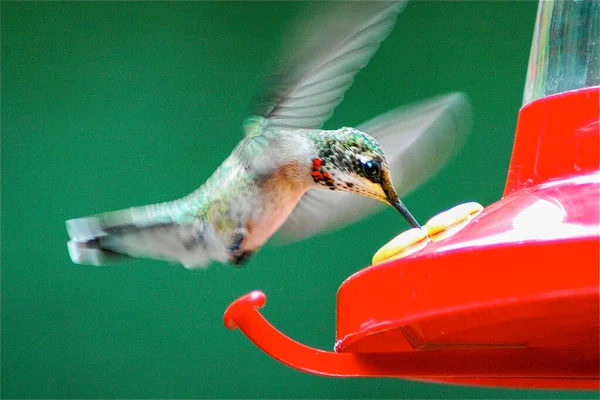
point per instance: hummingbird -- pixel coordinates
(287, 174)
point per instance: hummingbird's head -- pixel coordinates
(352, 161)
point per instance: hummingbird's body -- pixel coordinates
(229, 217)
(241, 205)
(253, 192)
(284, 169)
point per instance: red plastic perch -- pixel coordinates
(485, 366)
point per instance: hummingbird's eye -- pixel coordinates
(372, 170)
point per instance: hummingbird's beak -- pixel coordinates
(398, 205)
(394, 201)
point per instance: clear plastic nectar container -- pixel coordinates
(565, 52)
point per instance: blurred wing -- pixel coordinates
(418, 140)
(321, 57)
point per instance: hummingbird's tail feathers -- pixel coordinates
(418, 140)
(90, 253)
(141, 232)
(322, 56)
(90, 228)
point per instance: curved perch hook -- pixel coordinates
(486, 366)
(238, 308)
(243, 314)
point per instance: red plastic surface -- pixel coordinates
(556, 137)
(512, 299)
(496, 283)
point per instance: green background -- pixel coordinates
(108, 105)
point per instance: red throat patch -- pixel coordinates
(320, 176)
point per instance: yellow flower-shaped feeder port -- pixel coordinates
(440, 226)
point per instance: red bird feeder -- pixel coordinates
(512, 299)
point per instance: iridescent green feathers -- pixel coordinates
(348, 151)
